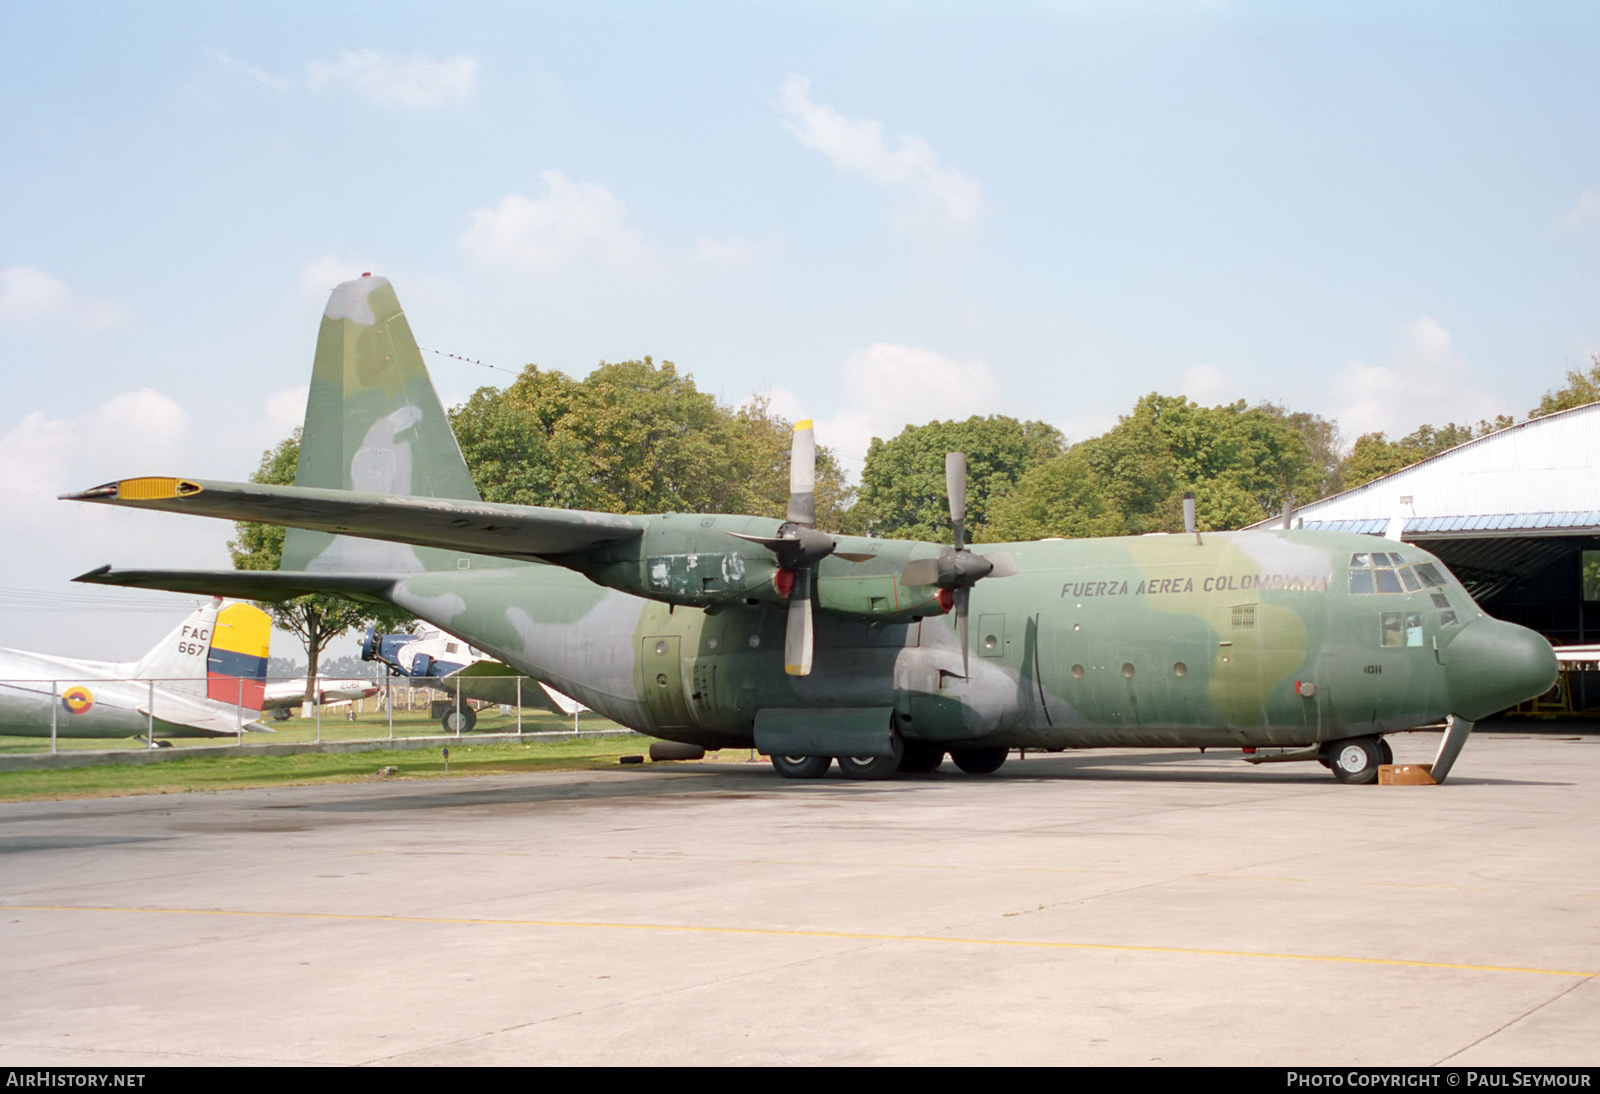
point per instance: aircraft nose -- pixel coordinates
(1492, 665)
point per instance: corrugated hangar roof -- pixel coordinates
(1546, 470)
(1495, 509)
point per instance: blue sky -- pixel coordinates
(876, 214)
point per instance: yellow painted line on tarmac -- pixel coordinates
(769, 932)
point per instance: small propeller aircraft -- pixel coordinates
(284, 697)
(733, 631)
(204, 679)
(443, 662)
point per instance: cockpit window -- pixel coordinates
(1360, 561)
(1447, 617)
(1429, 573)
(1360, 581)
(1410, 578)
(1401, 628)
(1388, 581)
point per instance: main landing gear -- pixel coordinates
(912, 760)
(459, 721)
(1356, 759)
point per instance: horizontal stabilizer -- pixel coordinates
(246, 584)
(173, 720)
(523, 532)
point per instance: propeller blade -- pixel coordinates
(1004, 565)
(803, 476)
(962, 595)
(797, 639)
(955, 488)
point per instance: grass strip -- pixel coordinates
(189, 773)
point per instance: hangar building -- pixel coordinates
(1515, 515)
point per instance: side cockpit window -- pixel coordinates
(1401, 628)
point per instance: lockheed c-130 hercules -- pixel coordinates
(882, 655)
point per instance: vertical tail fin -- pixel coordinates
(180, 657)
(217, 653)
(374, 424)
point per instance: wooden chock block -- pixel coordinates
(1406, 775)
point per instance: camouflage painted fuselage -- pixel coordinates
(1241, 639)
(674, 623)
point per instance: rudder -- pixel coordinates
(236, 663)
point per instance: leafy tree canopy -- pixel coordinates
(1241, 462)
(634, 437)
(1582, 388)
(902, 481)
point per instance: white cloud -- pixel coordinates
(419, 81)
(1423, 384)
(286, 409)
(1208, 385)
(30, 297)
(888, 387)
(50, 541)
(265, 79)
(319, 276)
(1584, 213)
(573, 220)
(733, 250)
(939, 196)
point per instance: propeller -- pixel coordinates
(799, 548)
(957, 569)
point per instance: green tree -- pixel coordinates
(1062, 496)
(318, 619)
(1322, 443)
(633, 437)
(902, 481)
(1582, 388)
(1242, 462)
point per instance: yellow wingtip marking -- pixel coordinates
(155, 488)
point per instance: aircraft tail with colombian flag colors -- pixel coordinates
(206, 678)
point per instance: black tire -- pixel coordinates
(921, 761)
(1354, 760)
(281, 714)
(466, 716)
(1383, 747)
(801, 767)
(869, 767)
(979, 761)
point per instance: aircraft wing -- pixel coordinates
(523, 532)
(246, 584)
